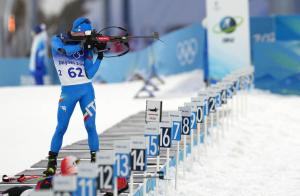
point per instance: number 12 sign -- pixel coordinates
(106, 174)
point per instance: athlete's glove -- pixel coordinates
(88, 44)
(101, 47)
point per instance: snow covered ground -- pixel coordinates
(260, 154)
(28, 117)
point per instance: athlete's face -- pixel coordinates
(80, 34)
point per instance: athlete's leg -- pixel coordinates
(88, 108)
(65, 109)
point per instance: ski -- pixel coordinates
(21, 179)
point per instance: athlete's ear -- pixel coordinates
(69, 34)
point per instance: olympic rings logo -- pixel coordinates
(186, 51)
(78, 54)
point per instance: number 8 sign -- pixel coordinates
(186, 125)
(186, 120)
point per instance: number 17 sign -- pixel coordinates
(176, 125)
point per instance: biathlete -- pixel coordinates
(75, 68)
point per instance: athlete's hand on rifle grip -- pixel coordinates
(88, 44)
(101, 48)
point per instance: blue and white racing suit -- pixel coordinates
(75, 68)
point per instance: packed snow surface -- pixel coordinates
(259, 155)
(29, 115)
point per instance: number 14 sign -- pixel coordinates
(138, 154)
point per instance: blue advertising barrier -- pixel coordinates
(275, 53)
(275, 28)
(178, 52)
(287, 28)
(262, 29)
(11, 71)
(277, 66)
(15, 72)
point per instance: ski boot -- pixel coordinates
(93, 156)
(52, 164)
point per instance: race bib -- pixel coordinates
(70, 69)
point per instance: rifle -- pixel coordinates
(95, 40)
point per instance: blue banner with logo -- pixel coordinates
(262, 29)
(228, 36)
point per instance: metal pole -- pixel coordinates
(7, 11)
(144, 183)
(30, 21)
(115, 186)
(167, 170)
(184, 153)
(131, 185)
(2, 5)
(107, 13)
(177, 162)
(205, 133)
(198, 141)
(211, 132)
(126, 14)
(217, 128)
(157, 179)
